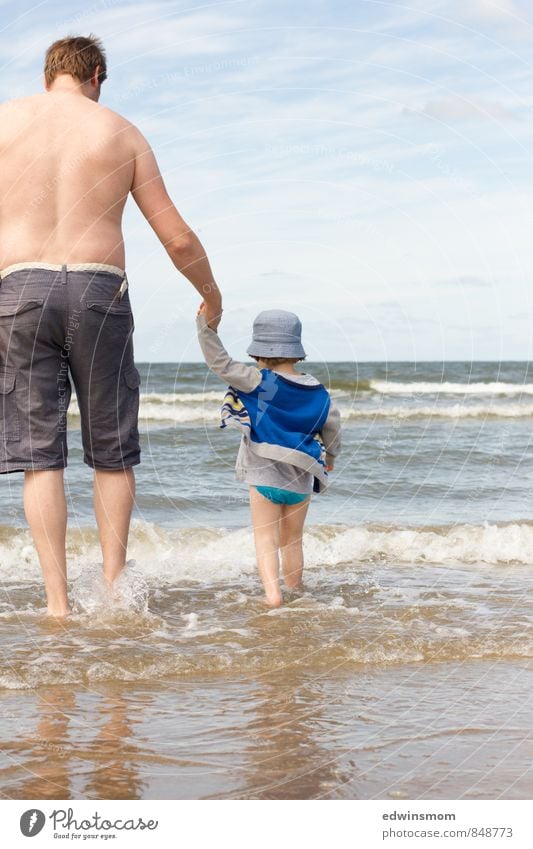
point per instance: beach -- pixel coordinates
(403, 668)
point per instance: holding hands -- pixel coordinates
(212, 314)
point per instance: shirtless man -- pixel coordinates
(67, 165)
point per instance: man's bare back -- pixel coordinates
(68, 165)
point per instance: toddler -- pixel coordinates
(290, 438)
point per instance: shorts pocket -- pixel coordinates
(30, 309)
(114, 307)
(132, 378)
(9, 414)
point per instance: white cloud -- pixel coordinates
(493, 9)
(457, 108)
(469, 282)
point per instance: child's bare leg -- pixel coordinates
(291, 532)
(265, 518)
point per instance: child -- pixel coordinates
(281, 412)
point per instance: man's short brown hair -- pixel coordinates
(77, 56)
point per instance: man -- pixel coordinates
(67, 165)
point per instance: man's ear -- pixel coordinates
(46, 86)
(95, 77)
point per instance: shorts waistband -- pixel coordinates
(47, 266)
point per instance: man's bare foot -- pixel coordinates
(111, 574)
(58, 612)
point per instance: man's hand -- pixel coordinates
(329, 467)
(212, 315)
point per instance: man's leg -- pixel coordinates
(107, 389)
(46, 511)
(31, 334)
(265, 519)
(291, 532)
(114, 496)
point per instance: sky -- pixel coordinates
(365, 164)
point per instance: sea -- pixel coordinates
(401, 670)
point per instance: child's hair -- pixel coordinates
(277, 361)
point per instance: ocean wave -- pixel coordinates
(187, 633)
(451, 411)
(191, 605)
(173, 407)
(180, 407)
(130, 666)
(191, 407)
(510, 543)
(208, 412)
(166, 398)
(205, 555)
(390, 387)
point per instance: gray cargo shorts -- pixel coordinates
(64, 325)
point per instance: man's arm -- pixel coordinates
(182, 245)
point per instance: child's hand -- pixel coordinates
(212, 320)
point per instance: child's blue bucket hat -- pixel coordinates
(277, 333)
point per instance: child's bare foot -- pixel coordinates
(273, 599)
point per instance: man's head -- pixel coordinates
(82, 59)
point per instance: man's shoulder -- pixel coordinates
(41, 101)
(15, 115)
(104, 113)
(118, 123)
(21, 104)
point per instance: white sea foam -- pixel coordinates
(184, 407)
(180, 408)
(92, 594)
(206, 411)
(391, 387)
(452, 411)
(209, 555)
(465, 544)
(183, 397)
(178, 414)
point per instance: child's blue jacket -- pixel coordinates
(282, 419)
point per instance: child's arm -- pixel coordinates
(331, 436)
(239, 375)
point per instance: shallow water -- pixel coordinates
(456, 730)
(348, 615)
(402, 669)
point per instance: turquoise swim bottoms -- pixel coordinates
(281, 496)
